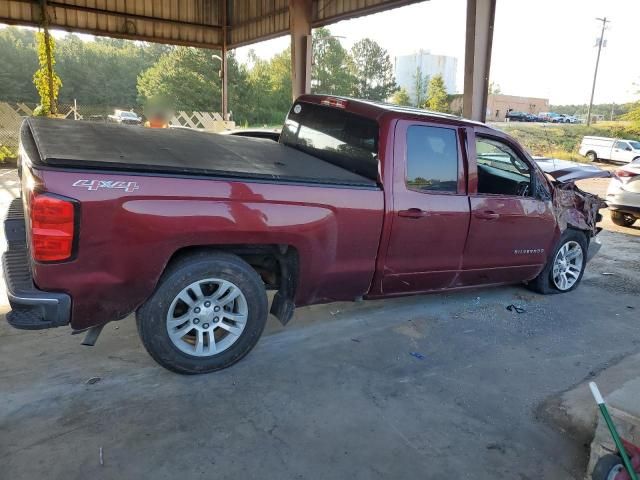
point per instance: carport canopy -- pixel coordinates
(227, 24)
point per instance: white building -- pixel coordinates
(406, 66)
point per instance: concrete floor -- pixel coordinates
(336, 394)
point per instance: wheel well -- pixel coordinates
(277, 265)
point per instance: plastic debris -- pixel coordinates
(101, 457)
(357, 340)
(607, 273)
(418, 355)
(93, 380)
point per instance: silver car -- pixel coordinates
(623, 194)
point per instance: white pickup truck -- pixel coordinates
(615, 149)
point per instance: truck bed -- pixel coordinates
(88, 145)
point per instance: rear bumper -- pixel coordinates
(31, 308)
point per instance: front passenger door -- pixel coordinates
(512, 226)
(622, 152)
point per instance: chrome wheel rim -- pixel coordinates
(567, 265)
(207, 317)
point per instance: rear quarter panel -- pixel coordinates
(127, 238)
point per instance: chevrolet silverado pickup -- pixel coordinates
(355, 199)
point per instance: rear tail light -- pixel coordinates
(52, 228)
(625, 174)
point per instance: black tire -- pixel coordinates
(544, 283)
(605, 465)
(622, 219)
(151, 316)
(591, 156)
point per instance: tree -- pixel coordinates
(420, 83)
(332, 69)
(401, 97)
(185, 78)
(19, 61)
(494, 88)
(437, 98)
(373, 71)
(45, 78)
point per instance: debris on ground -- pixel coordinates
(101, 457)
(357, 340)
(608, 273)
(516, 308)
(418, 355)
(93, 380)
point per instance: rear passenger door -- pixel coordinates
(430, 211)
(512, 228)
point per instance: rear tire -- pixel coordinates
(591, 156)
(622, 219)
(573, 244)
(207, 313)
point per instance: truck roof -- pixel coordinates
(374, 109)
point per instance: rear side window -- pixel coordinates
(334, 135)
(432, 159)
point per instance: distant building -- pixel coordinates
(406, 66)
(498, 105)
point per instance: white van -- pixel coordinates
(604, 148)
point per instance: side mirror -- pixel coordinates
(628, 149)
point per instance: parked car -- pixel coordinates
(124, 117)
(514, 116)
(603, 148)
(550, 117)
(623, 194)
(572, 119)
(356, 200)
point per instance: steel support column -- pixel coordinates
(480, 18)
(301, 46)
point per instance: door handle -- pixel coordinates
(487, 215)
(412, 213)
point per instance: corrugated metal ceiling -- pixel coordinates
(199, 23)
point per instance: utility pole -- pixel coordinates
(595, 73)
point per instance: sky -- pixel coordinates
(541, 48)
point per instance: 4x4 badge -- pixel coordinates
(111, 184)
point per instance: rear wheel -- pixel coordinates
(207, 313)
(565, 267)
(622, 219)
(591, 156)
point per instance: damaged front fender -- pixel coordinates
(576, 208)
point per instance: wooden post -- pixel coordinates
(300, 20)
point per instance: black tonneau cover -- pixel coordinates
(88, 145)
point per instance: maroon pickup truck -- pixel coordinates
(355, 200)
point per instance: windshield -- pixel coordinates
(634, 145)
(128, 114)
(334, 135)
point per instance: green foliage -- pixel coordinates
(332, 69)
(401, 97)
(373, 71)
(7, 153)
(185, 78)
(437, 98)
(494, 88)
(420, 83)
(633, 114)
(45, 79)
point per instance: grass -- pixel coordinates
(563, 141)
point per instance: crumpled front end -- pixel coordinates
(576, 208)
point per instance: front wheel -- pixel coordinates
(207, 313)
(622, 219)
(565, 267)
